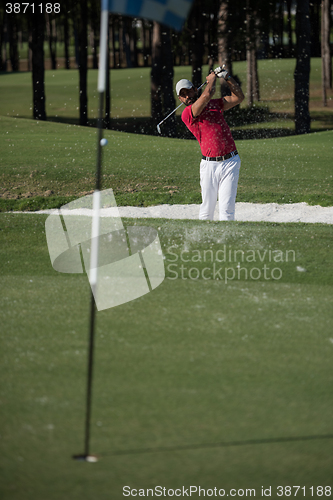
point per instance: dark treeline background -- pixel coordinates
(216, 31)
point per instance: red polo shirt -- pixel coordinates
(210, 129)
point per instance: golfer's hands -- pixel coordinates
(221, 72)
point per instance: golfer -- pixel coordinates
(220, 164)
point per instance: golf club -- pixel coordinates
(172, 112)
(216, 71)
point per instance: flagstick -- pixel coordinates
(94, 237)
(96, 206)
(93, 283)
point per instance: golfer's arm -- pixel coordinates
(204, 99)
(236, 96)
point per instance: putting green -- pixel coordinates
(199, 383)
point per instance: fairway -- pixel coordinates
(214, 383)
(220, 378)
(45, 165)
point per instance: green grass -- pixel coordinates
(198, 383)
(130, 95)
(45, 164)
(223, 382)
(60, 50)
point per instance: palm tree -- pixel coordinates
(83, 60)
(37, 23)
(325, 49)
(251, 54)
(302, 70)
(167, 75)
(196, 27)
(223, 36)
(13, 41)
(156, 74)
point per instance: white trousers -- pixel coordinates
(219, 180)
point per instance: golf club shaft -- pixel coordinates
(172, 112)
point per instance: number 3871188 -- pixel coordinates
(25, 8)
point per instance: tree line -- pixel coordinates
(221, 31)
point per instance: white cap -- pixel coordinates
(183, 84)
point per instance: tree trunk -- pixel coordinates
(290, 32)
(254, 71)
(66, 42)
(162, 100)
(111, 43)
(115, 50)
(315, 27)
(167, 76)
(223, 43)
(83, 62)
(29, 49)
(2, 38)
(127, 34)
(134, 45)
(223, 36)
(150, 41)
(122, 43)
(52, 36)
(280, 27)
(94, 19)
(251, 56)
(302, 70)
(13, 41)
(145, 42)
(156, 74)
(325, 48)
(37, 47)
(249, 75)
(211, 31)
(195, 24)
(107, 115)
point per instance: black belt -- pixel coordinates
(220, 158)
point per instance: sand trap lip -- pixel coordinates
(247, 212)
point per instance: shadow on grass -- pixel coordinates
(262, 133)
(218, 445)
(242, 121)
(174, 127)
(324, 117)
